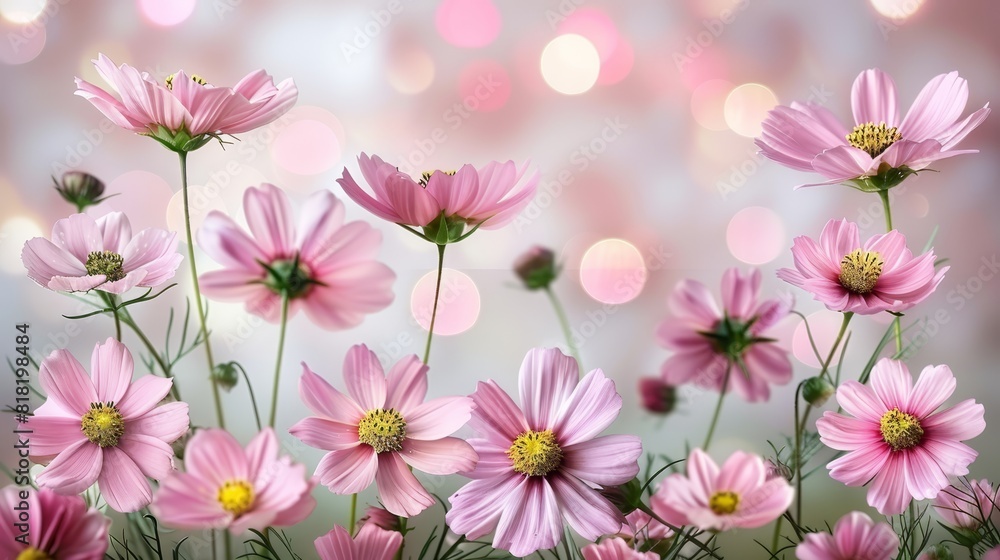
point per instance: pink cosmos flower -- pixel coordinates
(105, 429)
(383, 426)
(102, 254)
(894, 437)
(326, 267)
(881, 275)
(615, 549)
(184, 112)
(719, 499)
(708, 343)
(539, 464)
(60, 527)
(641, 527)
(228, 486)
(810, 138)
(967, 507)
(855, 537)
(371, 543)
(992, 554)
(481, 198)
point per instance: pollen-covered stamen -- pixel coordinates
(873, 138)
(103, 424)
(236, 497)
(900, 430)
(194, 78)
(425, 177)
(860, 270)
(106, 263)
(535, 453)
(383, 429)
(724, 503)
(32, 553)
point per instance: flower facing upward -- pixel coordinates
(846, 276)
(58, 526)
(442, 203)
(326, 268)
(383, 426)
(539, 464)
(371, 543)
(184, 112)
(894, 438)
(228, 486)
(881, 150)
(105, 429)
(615, 549)
(707, 342)
(967, 507)
(855, 537)
(86, 254)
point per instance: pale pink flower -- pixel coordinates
(615, 549)
(846, 276)
(379, 517)
(60, 527)
(881, 149)
(539, 464)
(383, 426)
(707, 342)
(86, 254)
(967, 507)
(737, 495)
(327, 267)
(227, 486)
(371, 543)
(641, 527)
(184, 112)
(894, 438)
(855, 537)
(105, 429)
(992, 554)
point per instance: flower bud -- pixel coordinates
(657, 396)
(817, 390)
(536, 268)
(226, 375)
(937, 552)
(777, 469)
(80, 189)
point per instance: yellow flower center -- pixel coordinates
(194, 78)
(384, 430)
(900, 430)
(724, 503)
(32, 553)
(425, 177)
(535, 453)
(106, 263)
(873, 138)
(859, 271)
(236, 497)
(103, 424)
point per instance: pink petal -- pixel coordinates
(765, 503)
(349, 294)
(590, 409)
(269, 215)
(495, 415)
(493, 461)
(112, 367)
(477, 506)
(131, 280)
(74, 470)
(546, 381)
(873, 98)
(44, 261)
(187, 502)
(924, 477)
(79, 235)
(365, 200)
(166, 422)
(261, 453)
(588, 513)
(364, 377)
(122, 483)
(957, 132)
(232, 284)
(845, 433)
(739, 292)
(859, 466)
(768, 362)
(531, 521)
(455, 194)
(141, 396)
(215, 456)
(938, 105)
(153, 457)
(116, 231)
(52, 435)
(694, 366)
(438, 418)
(904, 152)
(399, 490)
(64, 381)
(109, 106)
(741, 473)
(960, 422)
(605, 460)
(321, 398)
(842, 163)
(322, 433)
(692, 299)
(440, 457)
(320, 221)
(953, 457)
(887, 492)
(154, 251)
(860, 401)
(228, 244)
(892, 383)
(348, 471)
(934, 386)
(703, 473)
(413, 203)
(407, 384)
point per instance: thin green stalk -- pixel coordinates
(354, 512)
(220, 418)
(836, 344)
(118, 320)
(228, 543)
(437, 294)
(896, 322)
(564, 323)
(130, 322)
(798, 458)
(777, 534)
(718, 406)
(214, 551)
(277, 365)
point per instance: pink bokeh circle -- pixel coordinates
(468, 23)
(458, 305)
(613, 271)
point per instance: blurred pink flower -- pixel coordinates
(442, 203)
(383, 426)
(58, 526)
(881, 275)
(615, 549)
(708, 342)
(895, 440)
(656, 395)
(539, 464)
(228, 486)
(882, 149)
(102, 254)
(105, 429)
(379, 517)
(855, 537)
(992, 554)
(327, 267)
(967, 507)
(641, 527)
(739, 495)
(371, 543)
(185, 112)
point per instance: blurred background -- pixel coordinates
(640, 118)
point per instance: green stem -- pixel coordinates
(437, 294)
(798, 458)
(777, 534)
(718, 406)
(220, 418)
(896, 322)
(277, 365)
(214, 551)
(564, 323)
(228, 543)
(113, 300)
(130, 322)
(354, 512)
(848, 315)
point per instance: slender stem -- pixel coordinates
(564, 323)
(220, 418)
(128, 320)
(253, 399)
(798, 458)
(896, 322)
(777, 534)
(836, 344)
(113, 300)
(277, 365)
(718, 406)
(354, 512)
(228, 543)
(437, 294)
(884, 195)
(214, 552)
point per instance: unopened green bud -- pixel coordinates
(536, 268)
(226, 375)
(817, 391)
(80, 189)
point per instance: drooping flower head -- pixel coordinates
(657, 396)
(185, 111)
(106, 428)
(846, 276)
(615, 549)
(967, 506)
(371, 543)
(80, 189)
(855, 537)
(227, 486)
(897, 440)
(711, 345)
(380, 427)
(86, 254)
(326, 268)
(56, 527)
(881, 149)
(737, 495)
(539, 464)
(442, 203)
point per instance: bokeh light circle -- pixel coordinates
(897, 9)
(166, 13)
(708, 102)
(202, 200)
(596, 26)
(747, 106)
(618, 65)
(468, 23)
(570, 64)
(824, 326)
(21, 43)
(613, 271)
(458, 306)
(21, 11)
(306, 147)
(756, 235)
(411, 71)
(484, 85)
(14, 232)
